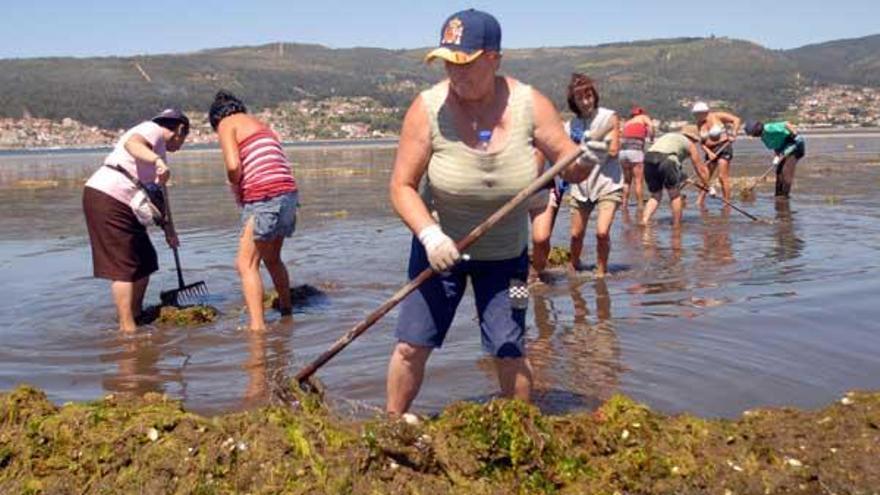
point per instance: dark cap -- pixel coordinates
(172, 115)
(466, 35)
(754, 128)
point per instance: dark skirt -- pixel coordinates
(121, 248)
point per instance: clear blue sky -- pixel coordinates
(37, 28)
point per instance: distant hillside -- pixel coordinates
(854, 61)
(662, 75)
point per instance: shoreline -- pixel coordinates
(316, 144)
(152, 444)
(861, 132)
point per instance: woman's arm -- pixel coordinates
(699, 167)
(229, 146)
(551, 139)
(141, 149)
(614, 144)
(410, 164)
(733, 121)
(791, 129)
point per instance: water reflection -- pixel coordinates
(788, 245)
(266, 363)
(717, 249)
(577, 363)
(137, 359)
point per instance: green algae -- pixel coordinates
(152, 445)
(558, 256)
(186, 316)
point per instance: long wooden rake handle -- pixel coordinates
(723, 200)
(340, 344)
(760, 179)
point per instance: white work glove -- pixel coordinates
(442, 253)
(713, 192)
(597, 145)
(777, 159)
(589, 157)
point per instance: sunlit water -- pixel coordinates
(725, 315)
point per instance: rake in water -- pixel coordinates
(183, 295)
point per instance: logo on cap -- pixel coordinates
(453, 32)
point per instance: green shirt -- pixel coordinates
(775, 136)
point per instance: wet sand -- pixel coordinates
(725, 315)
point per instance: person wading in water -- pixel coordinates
(663, 170)
(718, 131)
(263, 185)
(634, 135)
(473, 135)
(121, 248)
(788, 146)
(598, 128)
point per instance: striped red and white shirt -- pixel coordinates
(265, 170)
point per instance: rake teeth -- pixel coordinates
(192, 295)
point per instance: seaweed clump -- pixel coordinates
(559, 256)
(186, 316)
(300, 295)
(152, 445)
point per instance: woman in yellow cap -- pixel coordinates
(473, 136)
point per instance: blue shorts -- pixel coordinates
(427, 313)
(273, 217)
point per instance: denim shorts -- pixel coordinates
(273, 217)
(427, 313)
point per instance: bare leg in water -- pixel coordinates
(785, 177)
(129, 299)
(250, 253)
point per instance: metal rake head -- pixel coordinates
(188, 295)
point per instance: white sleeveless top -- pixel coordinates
(607, 176)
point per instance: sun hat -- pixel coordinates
(700, 107)
(172, 115)
(466, 35)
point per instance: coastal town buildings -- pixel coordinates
(365, 118)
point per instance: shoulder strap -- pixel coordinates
(127, 174)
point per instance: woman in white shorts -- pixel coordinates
(636, 132)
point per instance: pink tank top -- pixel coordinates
(265, 170)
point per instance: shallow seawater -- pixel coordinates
(724, 315)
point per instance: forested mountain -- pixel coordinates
(853, 61)
(661, 75)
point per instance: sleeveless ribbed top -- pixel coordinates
(465, 185)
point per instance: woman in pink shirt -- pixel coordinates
(121, 248)
(263, 184)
